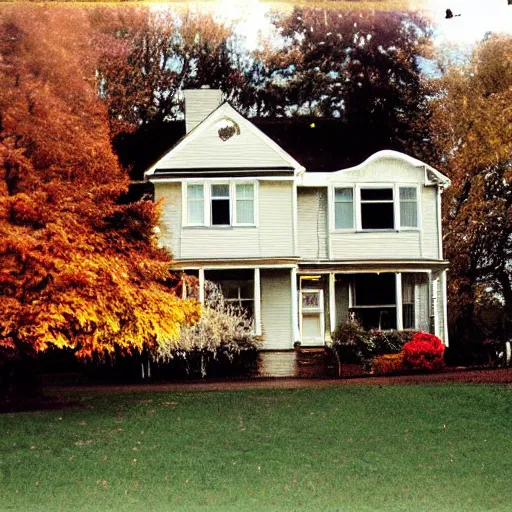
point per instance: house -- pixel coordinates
(302, 251)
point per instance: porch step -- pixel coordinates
(316, 362)
(277, 364)
(303, 363)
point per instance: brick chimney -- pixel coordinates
(199, 104)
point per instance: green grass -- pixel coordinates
(339, 448)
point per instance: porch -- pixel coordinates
(383, 300)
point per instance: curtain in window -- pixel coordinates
(343, 208)
(195, 204)
(408, 207)
(245, 204)
(408, 281)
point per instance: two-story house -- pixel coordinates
(302, 251)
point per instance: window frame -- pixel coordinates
(353, 307)
(354, 207)
(185, 204)
(357, 214)
(207, 198)
(418, 206)
(234, 218)
(211, 199)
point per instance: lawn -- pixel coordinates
(394, 448)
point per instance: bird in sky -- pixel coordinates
(449, 14)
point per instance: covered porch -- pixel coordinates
(381, 297)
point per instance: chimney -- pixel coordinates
(199, 104)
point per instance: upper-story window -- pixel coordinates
(375, 208)
(408, 207)
(220, 204)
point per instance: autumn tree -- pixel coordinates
(152, 56)
(472, 134)
(361, 67)
(79, 269)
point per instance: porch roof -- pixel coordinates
(350, 266)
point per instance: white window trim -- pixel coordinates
(210, 203)
(418, 206)
(185, 204)
(207, 198)
(357, 187)
(234, 220)
(354, 208)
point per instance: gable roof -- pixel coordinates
(205, 148)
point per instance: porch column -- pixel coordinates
(257, 302)
(445, 309)
(332, 301)
(398, 300)
(435, 305)
(201, 285)
(295, 303)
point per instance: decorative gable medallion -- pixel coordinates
(227, 128)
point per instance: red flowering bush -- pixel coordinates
(424, 352)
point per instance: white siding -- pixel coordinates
(206, 150)
(276, 309)
(312, 222)
(430, 237)
(273, 236)
(275, 219)
(388, 170)
(374, 245)
(170, 223)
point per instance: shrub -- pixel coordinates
(223, 330)
(353, 344)
(424, 352)
(388, 363)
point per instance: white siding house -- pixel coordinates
(303, 251)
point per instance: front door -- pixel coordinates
(312, 317)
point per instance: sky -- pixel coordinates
(477, 18)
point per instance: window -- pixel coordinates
(408, 301)
(377, 208)
(220, 204)
(408, 207)
(220, 212)
(374, 208)
(195, 204)
(374, 300)
(344, 208)
(237, 287)
(245, 203)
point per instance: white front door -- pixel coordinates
(312, 317)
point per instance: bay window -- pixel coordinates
(376, 208)
(220, 204)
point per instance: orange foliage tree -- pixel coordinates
(472, 133)
(79, 269)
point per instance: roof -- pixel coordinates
(224, 140)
